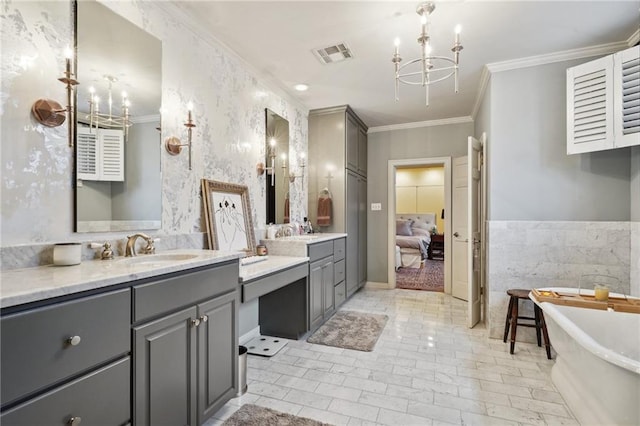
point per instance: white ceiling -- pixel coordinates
(277, 39)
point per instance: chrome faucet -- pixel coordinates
(130, 249)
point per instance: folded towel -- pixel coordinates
(286, 210)
(324, 211)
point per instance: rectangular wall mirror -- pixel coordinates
(277, 161)
(118, 179)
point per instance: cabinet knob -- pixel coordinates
(74, 421)
(74, 341)
(204, 318)
(455, 234)
(195, 322)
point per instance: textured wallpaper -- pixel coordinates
(229, 100)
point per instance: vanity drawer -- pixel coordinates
(177, 292)
(99, 398)
(36, 347)
(318, 251)
(339, 248)
(338, 272)
(340, 293)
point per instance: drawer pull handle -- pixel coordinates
(195, 322)
(74, 341)
(204, 318)
(74, 421)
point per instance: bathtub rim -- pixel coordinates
(580, 336)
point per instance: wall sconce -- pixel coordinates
(260, 167)
(173, 145)
(48, 112)
(301, 166)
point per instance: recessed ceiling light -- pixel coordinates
(301, 87)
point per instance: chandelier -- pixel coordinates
(109, 118)
(426, 69)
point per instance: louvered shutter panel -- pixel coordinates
(87, 154)
(589, 106)
(112, 155)
(627, 102)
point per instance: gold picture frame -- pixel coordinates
(227, 212)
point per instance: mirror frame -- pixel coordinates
(212, 192)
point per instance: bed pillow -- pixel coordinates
(403, 227)
(420, 232)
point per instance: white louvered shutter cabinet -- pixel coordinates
(603, 103)
(100, 154)
(626, 111)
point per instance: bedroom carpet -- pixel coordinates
(350, 330)
(429, 278)
(253, 415)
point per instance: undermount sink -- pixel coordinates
(162, 258)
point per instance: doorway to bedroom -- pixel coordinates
(420, 202)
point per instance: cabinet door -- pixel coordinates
(626, 84)
(328, 300)
(590, 106)
(352, 143)
(362, 151)
(362, 232)
(352, 233)
(165, 370)
(315, 294)
(217, 353)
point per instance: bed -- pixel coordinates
(413, 235)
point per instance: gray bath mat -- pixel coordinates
(350, 330)
(253, 415)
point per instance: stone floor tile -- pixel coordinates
(309, 399)
(354, 409)
(515, 414)
(324, 416)
(539, 406)
(434, 412)
(298, 383)
(324, 376)
(396, 418)
(279, 405)
(338, 392)
(384, 401)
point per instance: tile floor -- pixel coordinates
(427, 368)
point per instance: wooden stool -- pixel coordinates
(512, 318)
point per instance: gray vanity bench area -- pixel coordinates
(123, 341)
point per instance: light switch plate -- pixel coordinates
(376, 206)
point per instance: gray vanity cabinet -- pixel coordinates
(217, 353)
(186, 361)
(57, 358)
(326, 279)
(165, 370)
(338, 137)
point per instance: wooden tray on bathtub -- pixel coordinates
(618, 304)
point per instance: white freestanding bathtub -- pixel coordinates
(597, 368)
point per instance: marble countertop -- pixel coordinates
(297, 244)
(271, 265)
(26, 285)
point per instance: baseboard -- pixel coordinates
(373, 284)
(249, 335)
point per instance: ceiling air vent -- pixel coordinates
(332, 54)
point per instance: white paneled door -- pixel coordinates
(459, 282)
(474, 227)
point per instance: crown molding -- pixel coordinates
(418, 124)
(564, 55)
(174, 11)
(482, 88)
(634, 38)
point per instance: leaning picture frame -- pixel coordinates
(227, 212)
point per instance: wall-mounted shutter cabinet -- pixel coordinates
(603, 103)
(626, 111)
(100, 154)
